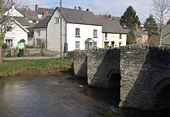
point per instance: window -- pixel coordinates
(95, 33)
(34, 21)
(56, 20)
(77, 32)
(120, 43)
(120, 36)
(106, 35)
(9, 28)
(9, 42)
(77, 44)
(39, 42)
(38, 32)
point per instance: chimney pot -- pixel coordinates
(44, 14)
(13, 4)
(88, 10)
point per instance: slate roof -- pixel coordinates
(21, 20)
(41, 10)
(139, 33)
(43, 23)
(111, 25)
(29, 13)
(79, 16)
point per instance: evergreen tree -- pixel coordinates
(129, 18)
(151, 26)
(131, 38)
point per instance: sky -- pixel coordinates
(113, 7)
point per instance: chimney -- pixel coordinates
(110, 17)
(26, 8)
(135, 27)
(88, 10)
(25, 15)
(142, 27)
(36, 9)
(79, 8)
(75, 8)
(44, 14)
(13, 5)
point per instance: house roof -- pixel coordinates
(139, 33)
(41, 10)
(111, 24)
(43, 23)
(79, 16)
(21, 20)
(29, 13)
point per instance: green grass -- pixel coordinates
(8, 67)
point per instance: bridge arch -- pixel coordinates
(114, 77)
(162, 94)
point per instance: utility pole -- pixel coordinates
(61, 42)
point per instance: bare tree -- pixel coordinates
(161, 10)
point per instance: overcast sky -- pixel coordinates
(113, 7)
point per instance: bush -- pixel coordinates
(4, 46)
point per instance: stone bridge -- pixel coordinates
(141, 72)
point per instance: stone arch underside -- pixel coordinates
(162, 94)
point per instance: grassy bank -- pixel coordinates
(32, 67)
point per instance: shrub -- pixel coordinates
(4, 46)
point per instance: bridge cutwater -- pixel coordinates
(141, 72)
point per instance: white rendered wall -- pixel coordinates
(116, 38)
(86, 32)
(16, 34)
(13, 12)
(42, 35)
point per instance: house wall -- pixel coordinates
(13, 12)
(16, 34)
(53, 33)
(42, 35)
(116, 38)
(86, 32)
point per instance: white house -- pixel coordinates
(13, 12)
(80, 30)
(114, 35)
(14, 33)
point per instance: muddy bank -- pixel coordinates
(50, 71)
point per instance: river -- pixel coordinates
(59, 97)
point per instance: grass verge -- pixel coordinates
(28, 67)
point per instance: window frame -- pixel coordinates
(77, 32)
(77, 42)
(95, 31)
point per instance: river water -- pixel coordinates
(58, 97)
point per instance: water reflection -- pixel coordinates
(56, 97)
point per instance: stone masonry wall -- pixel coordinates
(79, 62)
(142, 70)
(100, 64)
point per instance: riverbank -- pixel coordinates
(31, 68)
